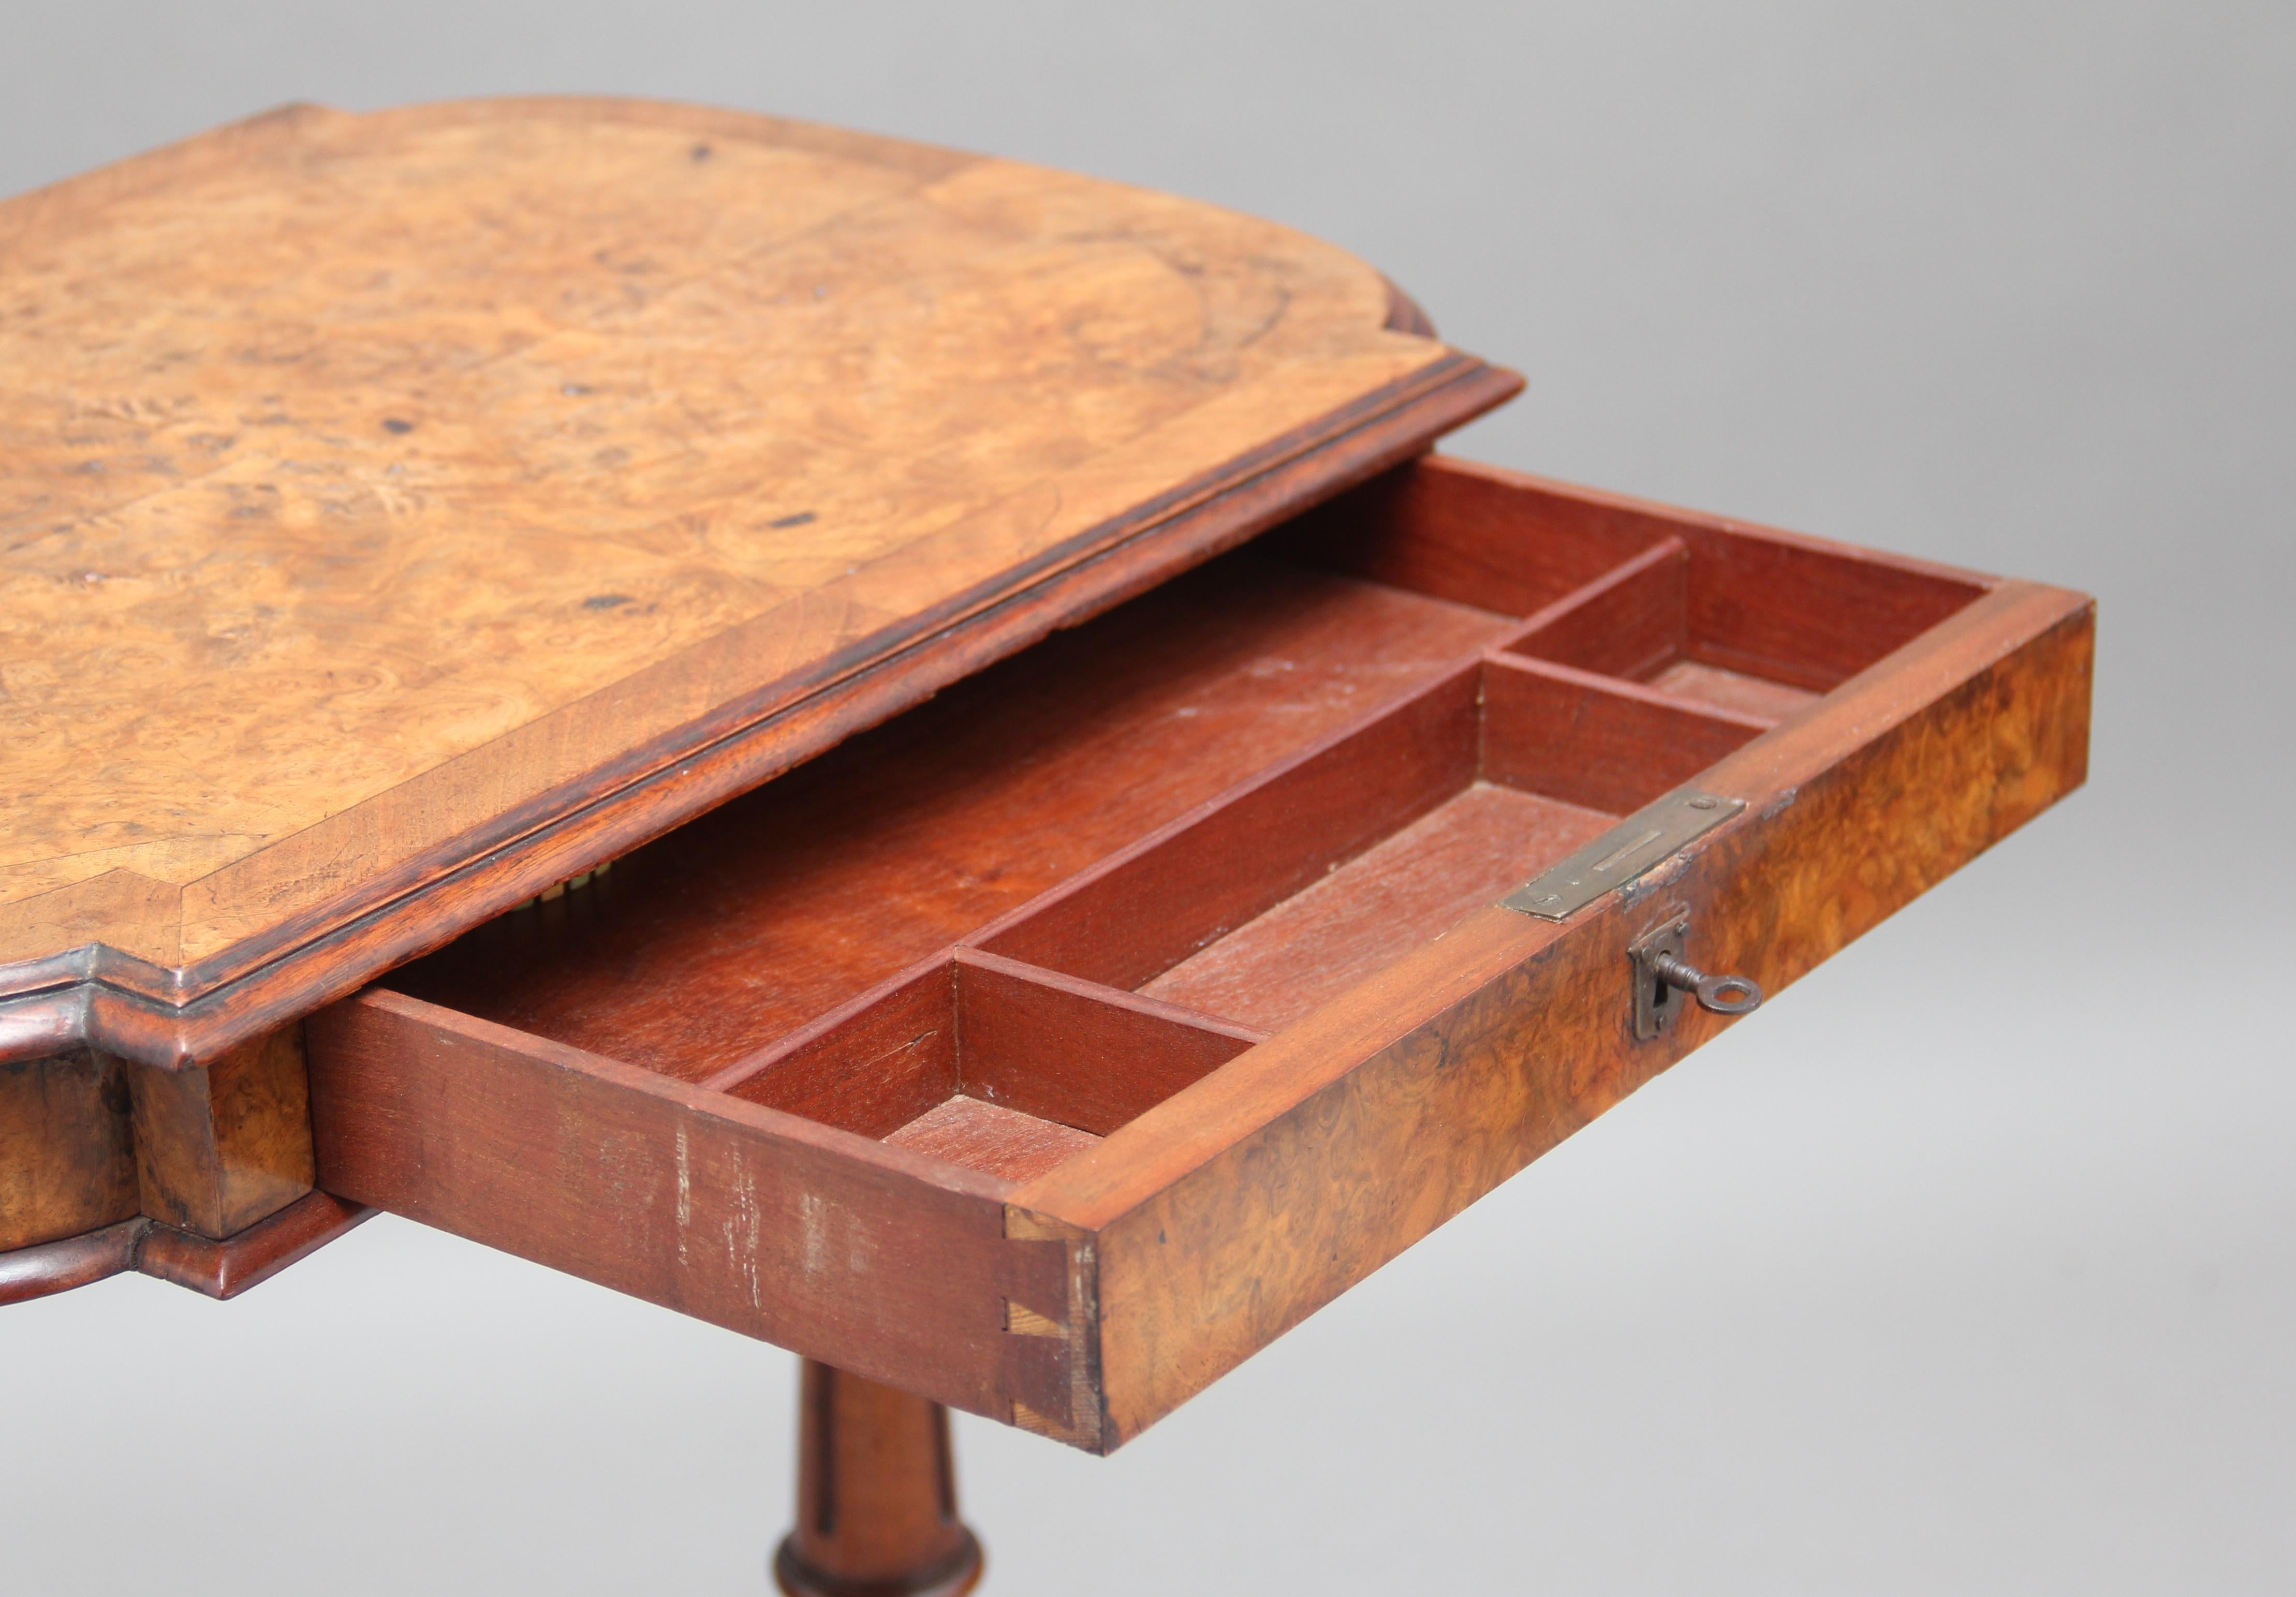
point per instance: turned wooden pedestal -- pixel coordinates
(876, 1495)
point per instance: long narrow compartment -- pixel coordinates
(1005, 923)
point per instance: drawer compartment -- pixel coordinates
(1051, 1048)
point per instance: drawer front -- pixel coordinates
(1232, 1211)
(1058, 1046)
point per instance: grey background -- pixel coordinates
(1964, 1267)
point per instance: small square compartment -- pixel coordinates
(987, 1063)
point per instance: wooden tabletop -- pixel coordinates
(405, 510)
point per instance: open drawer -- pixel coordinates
(1053, 1047)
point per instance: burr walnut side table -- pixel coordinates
(904, 753)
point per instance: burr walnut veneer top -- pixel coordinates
(379, 491)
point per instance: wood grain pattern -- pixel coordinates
(1594, 741)
(94, 1150)
(1731, 690)
(1472, 535)
(220, 1146)
(1240, 1205)
(1405, 891)
(1782, 606)
(1630, 622)
(384, 491)
(981, 1135)
(871, 1065)
(67, 1148)
(1149, 906)
(918, 1060)
(808, 1236)
(125, 1006)
(1073, 1052)
(876, 1495)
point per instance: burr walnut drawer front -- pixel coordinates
(1052, 1048)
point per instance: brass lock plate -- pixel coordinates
(1640, 843)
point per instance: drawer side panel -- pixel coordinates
(885, 1263)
